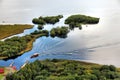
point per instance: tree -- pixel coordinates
(112, 68)
(40, 27)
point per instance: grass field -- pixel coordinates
(8, 30)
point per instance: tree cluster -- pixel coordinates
(59, 32)
(65, 70)
(46, 20)
(41, 32)
(13, 46)
(77, 20)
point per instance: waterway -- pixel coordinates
(96, 43)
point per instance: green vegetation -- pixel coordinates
(8, 30)
(12, 47)
(76, 21)
(47, 20)
(1, 77)
(59, 32)
(42, 32)
(38, 21)
(18, 45)
(65, 70)
(40, 27)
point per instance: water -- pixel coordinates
(95, 43)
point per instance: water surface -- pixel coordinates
(96, 43)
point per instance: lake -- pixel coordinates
(96, 43)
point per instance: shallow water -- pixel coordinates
(96, 43)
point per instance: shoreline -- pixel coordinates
(28, 48)
(28, 26)
(29, 45)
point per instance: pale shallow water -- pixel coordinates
(96, 43)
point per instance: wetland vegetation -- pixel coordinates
(65, 70)
(77, 20)
(16, 46)
(8, 30)
(59, 32)
(47, 20)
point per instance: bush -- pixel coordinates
(38, 21)
(112, 68)
(40, 27)
(104, 68)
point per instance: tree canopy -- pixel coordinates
(59, 32)
(13, 46)
(77, 20)
(65, 70)
(47, 20)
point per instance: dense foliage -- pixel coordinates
(38, 21)
(59, 32)
(77, 20)
(13, 46)
(65, 70)
(47, 20)
(40, 27)
(41, 32)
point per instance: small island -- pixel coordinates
(59, 32)
(77, 20)
(57, 69)
(47, 20)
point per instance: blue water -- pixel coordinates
(96, 43)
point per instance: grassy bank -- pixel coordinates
(65, 70)
(9, 30)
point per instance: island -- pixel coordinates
(59, 32)
(41, 21)
(77, 20)
(58, 69)
(7, 30)
(47, 20)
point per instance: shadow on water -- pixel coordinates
(14, 57)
